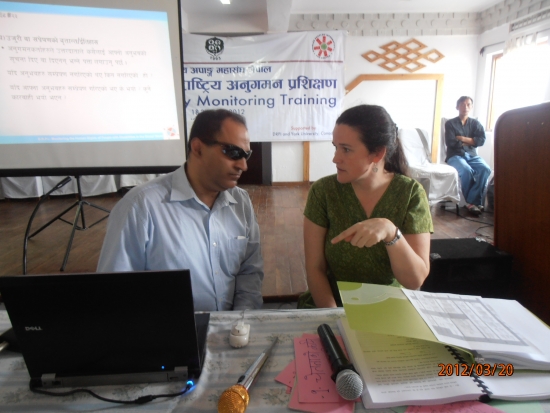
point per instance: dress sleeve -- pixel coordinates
(316, 206)
(418, 219)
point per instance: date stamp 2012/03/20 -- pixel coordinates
(485, 369)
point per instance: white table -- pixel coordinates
(223, 366)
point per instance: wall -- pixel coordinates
(492, 42)
(459, 67)
(459, 36)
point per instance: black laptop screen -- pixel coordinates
(103, 324)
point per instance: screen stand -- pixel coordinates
(79, 213)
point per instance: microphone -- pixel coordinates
(235, 399)
(348, 383)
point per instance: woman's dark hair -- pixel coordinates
(208, 123)
(377, 131)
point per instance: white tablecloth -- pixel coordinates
(223, 366)
(92, 185)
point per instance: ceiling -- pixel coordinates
(390, 6)
(273, 16)
(243, 7)
(254, 7)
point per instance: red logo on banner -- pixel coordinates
(323, 46)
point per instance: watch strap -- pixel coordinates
(397, 237)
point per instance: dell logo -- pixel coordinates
(33, 328)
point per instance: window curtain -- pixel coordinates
(92, 185)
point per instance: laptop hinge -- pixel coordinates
(49, 380)
(180, 373)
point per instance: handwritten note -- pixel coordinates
(313, 371)
(343, 406)
(458, 407)
(315, 382)
(288, 374)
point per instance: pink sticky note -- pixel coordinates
(458, 407)
(340, 341)
(313, 372)
(338, 338)
(343, 406)
(287, 375)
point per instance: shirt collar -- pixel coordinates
(182, 190)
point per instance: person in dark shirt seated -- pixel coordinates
(462, 136)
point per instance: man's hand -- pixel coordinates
(367, 233)
(465, 140)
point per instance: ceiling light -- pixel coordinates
(225, 1)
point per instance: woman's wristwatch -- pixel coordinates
(393, 241)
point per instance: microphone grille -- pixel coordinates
(349, 384)
(233, 400)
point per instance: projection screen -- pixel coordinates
(91, 87)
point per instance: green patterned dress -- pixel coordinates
(335, 206)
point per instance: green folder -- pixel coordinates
(382, 309)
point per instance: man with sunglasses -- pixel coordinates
(195, 218)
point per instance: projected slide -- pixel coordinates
(84, 74)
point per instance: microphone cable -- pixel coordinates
(139, 400)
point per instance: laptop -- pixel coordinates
(107, 328)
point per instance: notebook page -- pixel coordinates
(400, 370)
(522, 385)
(468, 322)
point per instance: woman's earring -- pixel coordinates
(374, 168)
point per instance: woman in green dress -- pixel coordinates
(369, 223)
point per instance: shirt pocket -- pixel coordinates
(236, 253)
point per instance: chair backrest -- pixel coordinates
(442, 145)
(415, 149)
(439, 181)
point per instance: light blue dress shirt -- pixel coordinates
(162, 225)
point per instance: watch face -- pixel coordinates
(397, 237)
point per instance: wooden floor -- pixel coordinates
(278, 208)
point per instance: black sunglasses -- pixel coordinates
(231, 151)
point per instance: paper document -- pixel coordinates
(465, 321)
(458, 407)
(401, 371)
(493, 330)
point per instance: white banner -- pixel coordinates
(289, 87)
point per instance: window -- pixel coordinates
(492, 109)
(519, 78)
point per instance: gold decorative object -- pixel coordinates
(403, 56)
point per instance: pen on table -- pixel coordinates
(4, 345)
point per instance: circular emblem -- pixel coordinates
(323, 46)
(214, 46)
